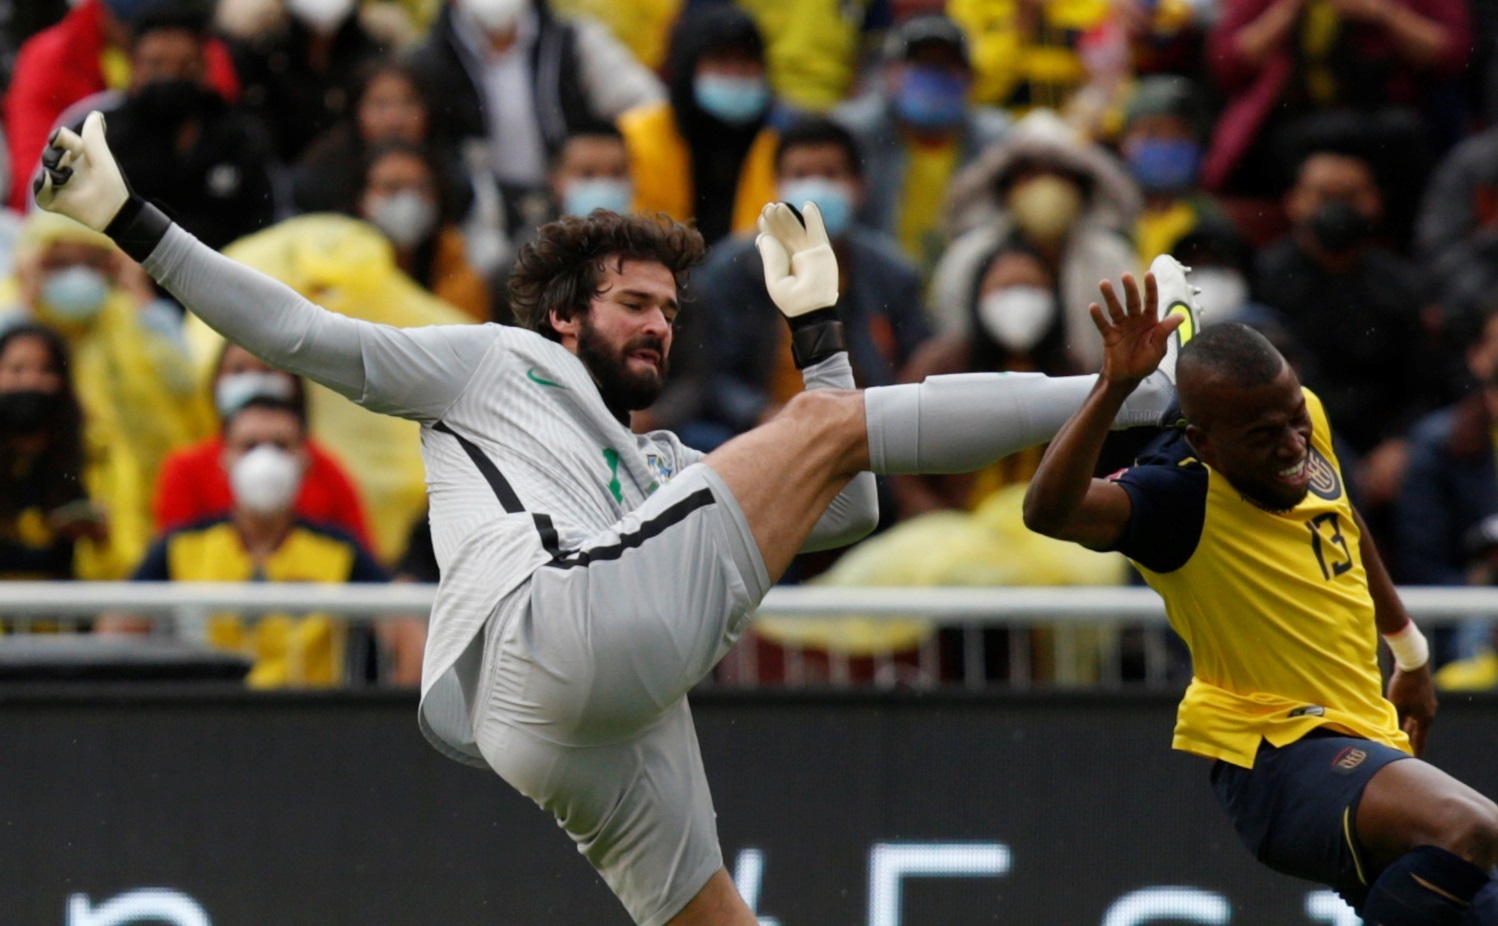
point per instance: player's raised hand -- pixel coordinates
(79, 178)
(1134, 336)
(800, 267)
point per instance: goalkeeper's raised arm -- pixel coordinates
(79, 178)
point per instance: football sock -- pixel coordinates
(1426, 886)
(962, 422)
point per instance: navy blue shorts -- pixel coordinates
(1296, 808)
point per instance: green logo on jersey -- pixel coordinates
(611, 457)
(540, 381)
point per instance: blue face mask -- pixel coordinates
(735, 100)
(583, 196)
(1165, 165)
(75, 294)
(931, 98)
(833, 198)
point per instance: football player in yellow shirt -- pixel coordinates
(1241, 521)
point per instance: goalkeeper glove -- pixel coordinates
(79, 178)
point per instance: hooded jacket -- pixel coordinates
(1097, 246)
(689, 164)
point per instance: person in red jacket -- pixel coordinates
(79, 56)
(192, 484)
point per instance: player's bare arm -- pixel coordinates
(1064, 500)
(1411, 688)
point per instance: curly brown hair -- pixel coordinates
(560, 271)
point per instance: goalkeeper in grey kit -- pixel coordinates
(590, 575)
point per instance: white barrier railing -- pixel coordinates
(988, 605)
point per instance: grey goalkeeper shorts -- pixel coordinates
(581, 701)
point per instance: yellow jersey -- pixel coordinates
(288, 651)
(1274, 606)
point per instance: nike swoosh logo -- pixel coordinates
(531, 375)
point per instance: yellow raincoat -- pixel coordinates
(136, 387)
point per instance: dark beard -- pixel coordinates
(623, 391)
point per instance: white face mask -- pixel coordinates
(496, 16)
(266, 480)
(406, 217)
(324, 16)
(236, 389)
(1224, 292)
(1017, 316)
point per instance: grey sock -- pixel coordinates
(962, 422)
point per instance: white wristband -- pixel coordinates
(1410, 649)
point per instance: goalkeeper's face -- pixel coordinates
(625, 336)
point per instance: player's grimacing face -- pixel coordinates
(1260, 439)
(625, 336)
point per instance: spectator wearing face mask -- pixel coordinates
(299, 75)
(732, 359)
(513, 81)
(591, 171)
(918, 131)
(193, 485)
(182, 143)
(80, 56)
(48, 525)
(401, 194)
(1015, 325)
(1045, 189)
(708, 153)
(1161, 143)
(348, 267)
(1355, 307)
(261, 539)
(129, 368)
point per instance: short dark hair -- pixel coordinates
(819, 130)
(267, 403)
(561, 269)
(1228, 352)
(170, 15)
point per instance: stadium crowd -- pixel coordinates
(1329, 168)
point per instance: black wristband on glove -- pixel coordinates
(137, 228)
(816, 336)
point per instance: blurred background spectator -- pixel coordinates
(1394, 62)
(517, 80)
(707, 153)
(193, 485)
(1014, 324)
(591, 171)
(49, 528)
(129, 368)
(813, 49)
(77, 57)
(1164, 124)
(260, 539)
(401, 194)
(348, 267)
(180, 142)
(299, 72)
(1074, 56)
(1355, 307)
(733, 366)
(1055, 193)
(917, 130)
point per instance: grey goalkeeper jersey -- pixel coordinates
(523, 459)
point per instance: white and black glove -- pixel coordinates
(801, 276)
(79, 178)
